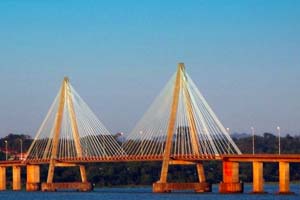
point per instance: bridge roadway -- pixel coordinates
(125, 158)
(291, 158)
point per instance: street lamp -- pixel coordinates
(228, 129)
(141, 143)
(161, 144)
(21, 149)
(85, 147)
(278, 129)
(122, 138)
(228, 144)
(5, 149)
(253, 132)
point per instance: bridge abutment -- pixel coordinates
(231, 182)
(33, 178)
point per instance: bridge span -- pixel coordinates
(231, 182)
(179, 128)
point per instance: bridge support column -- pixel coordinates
(2, 178)
(258, 179)
(16, 173)
(284, 178)
(231, 182)
(201, 173)
(33, 178)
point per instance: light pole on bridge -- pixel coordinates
(6, 155)
(278, 129)
(141, 144)
(228, 143)
(21, 149)
(122, 137)
(253, 132)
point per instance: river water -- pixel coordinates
(145, 193)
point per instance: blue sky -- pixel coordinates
(243, 55)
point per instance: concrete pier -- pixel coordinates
(231, 182)
(33, 178)
(258, 179)
(16, 174)
(284, 178)
(2, 178)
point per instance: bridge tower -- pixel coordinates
(70, 133)
(162, 185)
(180, 128)
(65, 102)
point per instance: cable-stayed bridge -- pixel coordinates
(179, 128)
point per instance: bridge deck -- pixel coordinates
(262, 158)
(149, 158)
(125, 158)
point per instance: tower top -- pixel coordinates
(181, 66)
(66, 79)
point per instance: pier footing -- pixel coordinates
(168, 187)
(231, 188)
(285, 193)
(78, 186)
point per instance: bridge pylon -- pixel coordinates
(65, 102)
(162, 185)
(70, 134)
(180, 128)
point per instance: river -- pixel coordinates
(145, 193)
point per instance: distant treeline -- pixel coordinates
(146, 173)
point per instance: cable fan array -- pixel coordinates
(93, 139)
(197, 131)
(71, 129)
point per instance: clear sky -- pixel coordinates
(243, 55)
